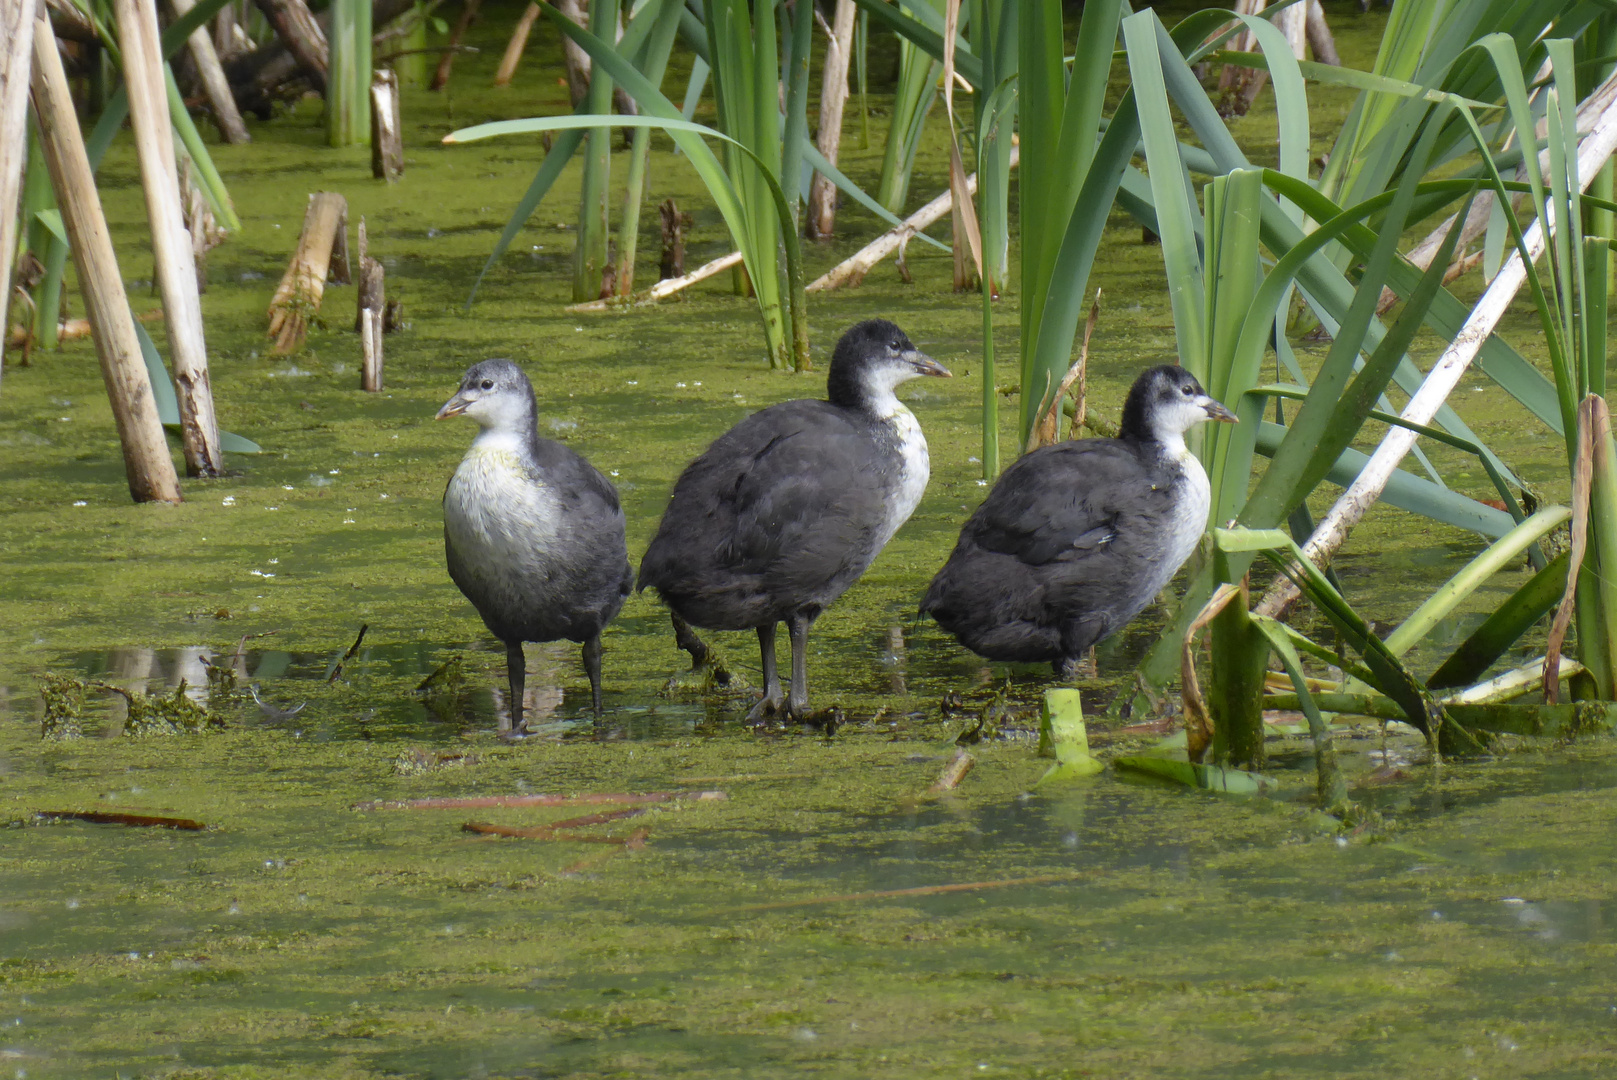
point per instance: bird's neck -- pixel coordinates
(1172, 444)
(502, 439)
(873, 392)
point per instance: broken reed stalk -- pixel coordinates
(822, 208)
(206, 233)
(372, 309)
(322, 249)
(440, 77)
(16, 42)
(74, 329)
(1198, 721)
(1589, 445)
(123, 368)
(953, 773)
(486, 802)
(1048, 430)
(1320, 38)
(673, 257)
(518, 42)
(174, 262)
(575, 61)
(224, 33)
(852, 270)
(300, 32)
(221, 102)
(108, 817)
(663, 289)
(923, 890)
(387, 130)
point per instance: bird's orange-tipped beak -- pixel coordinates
(453, 407)
(1216, 411)
(925, 365)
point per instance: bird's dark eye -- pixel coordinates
(488, 384)
(1188, 392)
(896, 347)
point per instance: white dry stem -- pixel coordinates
(663, 289)
(1333, 530)
(852, 271)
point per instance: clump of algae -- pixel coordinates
(64, 705)
(175, 714)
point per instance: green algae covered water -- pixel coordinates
(829, 915)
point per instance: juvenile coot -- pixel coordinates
(1077, 538)
(533, 532)
(785, 511)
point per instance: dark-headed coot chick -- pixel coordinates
(785, 511)
(532, 531)
(1077, 538)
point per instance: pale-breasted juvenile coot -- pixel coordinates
(1077, 538)
(785, 510)
(533, 532)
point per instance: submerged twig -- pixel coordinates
(349, 655)
(108, 817)
(485, 802)
(634, 842)
(924, 890)
(556, 830)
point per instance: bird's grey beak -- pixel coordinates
(924, 364)
(453, 407)
(1215, 411)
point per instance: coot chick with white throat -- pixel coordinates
(1077, 538)
(533, 532)
(785, 510)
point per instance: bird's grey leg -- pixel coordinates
(686, 639)
(797, 704)
(772, 701)
(592, 664)
(705, 660)
(516, 671)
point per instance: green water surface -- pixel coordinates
(1121, 929)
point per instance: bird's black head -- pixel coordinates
(496, 394)
(871, 358)
(1164, 403)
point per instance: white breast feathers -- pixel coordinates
(494, 513)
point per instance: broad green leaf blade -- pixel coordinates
(168, 406)
(1475, 573)
(1192, 774)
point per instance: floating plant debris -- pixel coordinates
(484, 802)
(109, 817)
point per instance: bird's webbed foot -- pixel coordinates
(829, 718)
(1077, 668)
(769, 709)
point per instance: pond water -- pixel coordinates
(828, 916)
